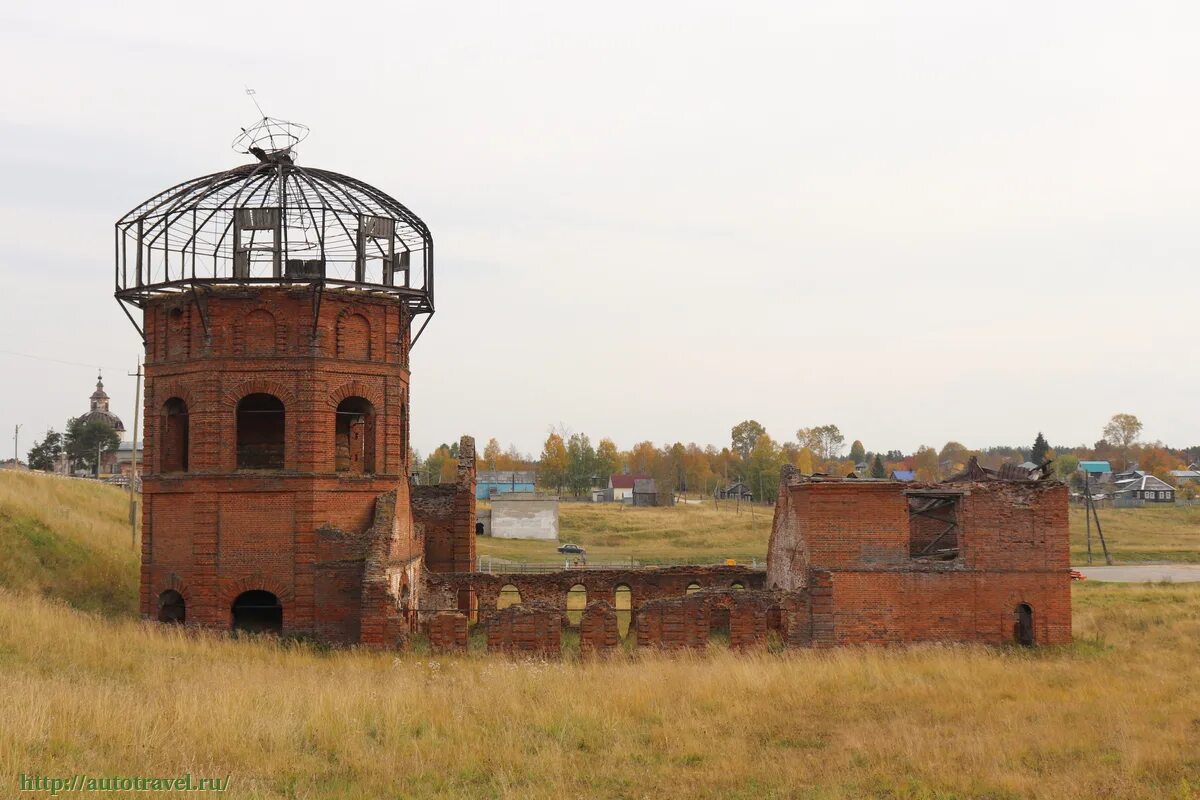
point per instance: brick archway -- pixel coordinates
(356, 389)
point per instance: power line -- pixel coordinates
(56, 360)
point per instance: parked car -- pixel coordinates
(572, 549)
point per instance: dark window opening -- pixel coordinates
(260, 426)
(257, 611)
(468, 604)
(1023, 625)
(175, 436)
(171, 607)
(479, 529)
(354, 436)
(933, 525)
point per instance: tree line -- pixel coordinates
(570, 463)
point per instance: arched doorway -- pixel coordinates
(257, 611)
(576, 603)
(623, 602)
(171, 607)
(1023, 625)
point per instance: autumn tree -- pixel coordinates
(858, 453)
(745, 435)
(825, 442)
(925, 462)
(1040, 448)
(554, 463)
(761, 468)
(581, 464)
(608, 459)
(492, 453)
(1121, 432)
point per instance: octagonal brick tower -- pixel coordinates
(277, 309)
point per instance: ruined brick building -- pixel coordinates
(279, 305)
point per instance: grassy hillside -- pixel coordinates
(612, 532)
(1113, 715)
(69, 540)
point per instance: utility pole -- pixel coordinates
(1087, 511)
(16, 447)
(133, 472)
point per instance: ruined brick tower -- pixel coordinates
(278, 307)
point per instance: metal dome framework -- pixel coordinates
(274, 224)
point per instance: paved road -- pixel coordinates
(1177, 573)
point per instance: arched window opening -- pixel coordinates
(257, 611)
(354, 436)
(1023, 625)
(171, 607)
(576, 603)
(692, 588)
(509, 596)
(623, 602)
(174, 446)
(260, 426)
(479, 529)
(738, 586)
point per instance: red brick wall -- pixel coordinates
(442, 591)
(448, 632)
(214, 531)
(676, 624)
(598, 632)
(526, 629)
(445, 516)
(846, 545)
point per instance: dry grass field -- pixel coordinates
(612, 532)
(90, 689)
(1115, 715)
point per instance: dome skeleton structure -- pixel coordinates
(274, 223)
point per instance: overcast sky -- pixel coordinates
(920, 221)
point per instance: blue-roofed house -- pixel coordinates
(489, 483)
(1096, 470)
(903, 475)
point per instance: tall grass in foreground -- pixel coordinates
(1115, 715)
(68, 539)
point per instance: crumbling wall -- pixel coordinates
(533, 629)
(856, 548)
(448, 632)
(441, 591)
(444, 515)
(598, 632)
(675, 624)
